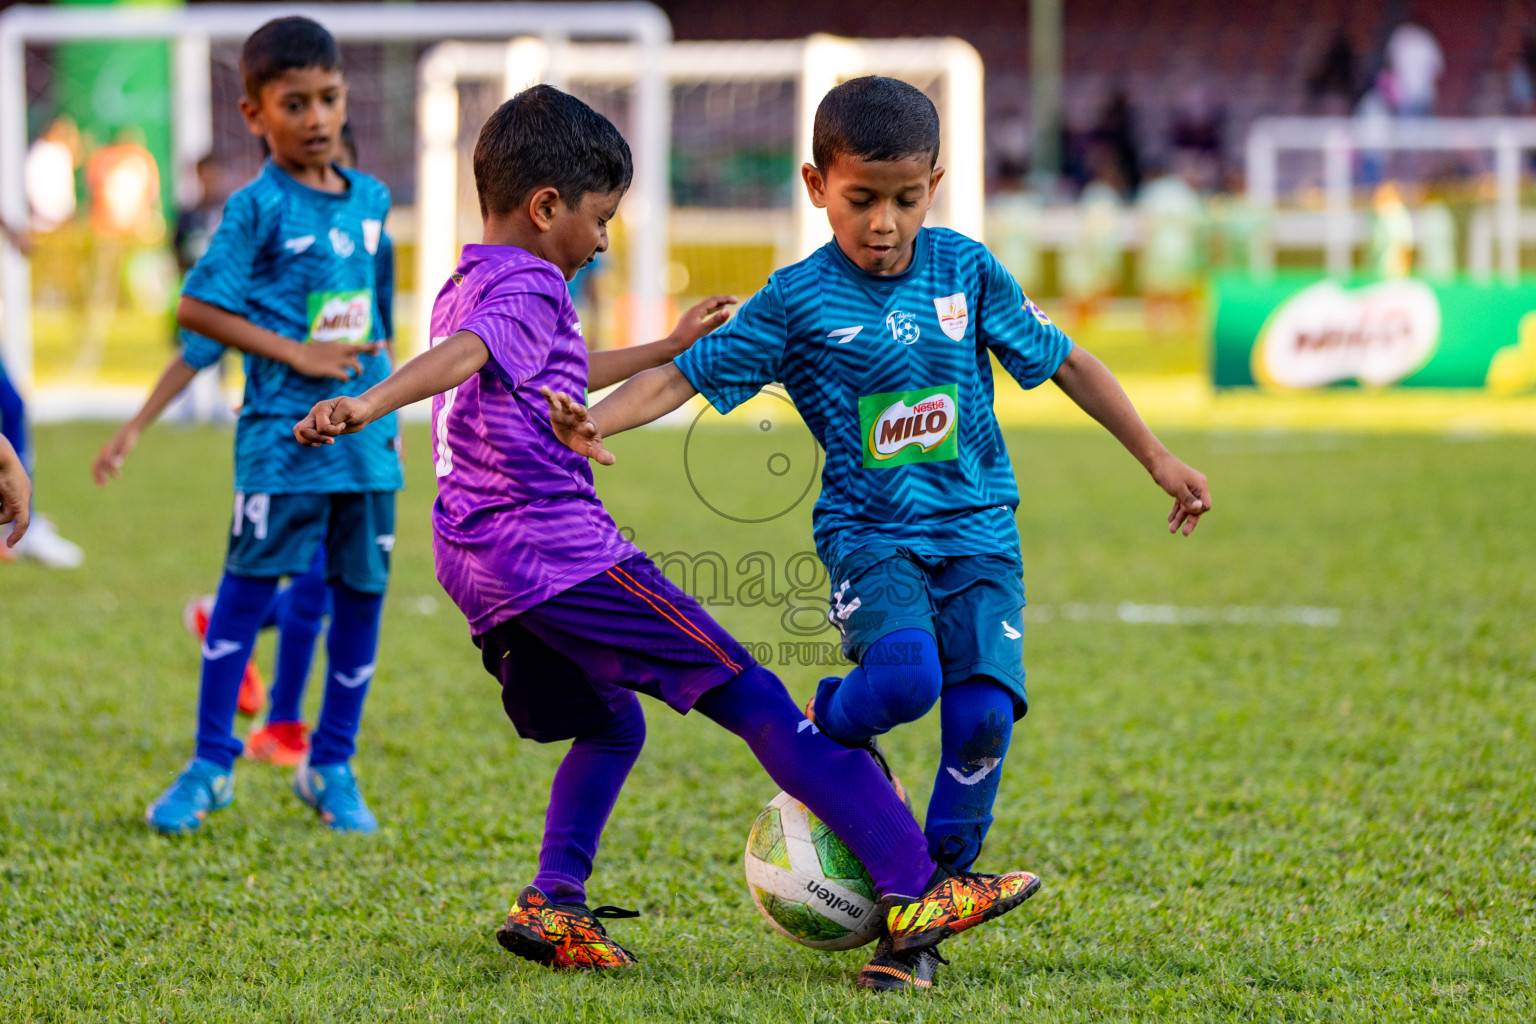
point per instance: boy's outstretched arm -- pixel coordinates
(1089, 383)
(335, 359)
(15, 493)
(610, 367)
(445, 365)
(109, 461)
(644, 397)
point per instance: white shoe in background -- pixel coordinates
(42, 543)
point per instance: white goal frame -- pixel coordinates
(814, 64)
(191, 31)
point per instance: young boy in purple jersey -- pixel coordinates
(570, 618)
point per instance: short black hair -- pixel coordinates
(285, 44)
(875, 118)
(543, 137)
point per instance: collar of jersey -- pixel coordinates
(286, 180)
(859, 274)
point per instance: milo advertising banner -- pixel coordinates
(1304, 333)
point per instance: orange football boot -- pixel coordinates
(562, 935)
(957, 901)
(282, 743)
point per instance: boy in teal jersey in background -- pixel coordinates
(884, 339)
(291, 278)
(300, 609)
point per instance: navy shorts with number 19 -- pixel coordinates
(273, 535)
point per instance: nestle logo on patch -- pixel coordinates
(928, 406)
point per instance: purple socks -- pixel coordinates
(842, 787)
(586, 785)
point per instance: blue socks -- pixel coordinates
(350, 644)
(238, 611)
(299, 613)
(898, 680)
(586, 785)
(977, 723)
(840, 786)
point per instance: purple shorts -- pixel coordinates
(565, 665)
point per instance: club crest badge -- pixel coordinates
(1035, 311)
(903, 327)
(953, 316)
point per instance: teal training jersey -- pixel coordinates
(893, 378)
(311, 266)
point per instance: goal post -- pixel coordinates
(778, 82)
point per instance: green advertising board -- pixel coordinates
(1301, 333)
(111, 85)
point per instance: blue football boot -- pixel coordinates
(201, 787)
(331, 789)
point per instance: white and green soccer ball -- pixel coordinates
(806, 882)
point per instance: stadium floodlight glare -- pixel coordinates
(191, 29)
(1338, 139)
(814, 64)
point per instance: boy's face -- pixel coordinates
(875, 206)
(300, 114)
(576, 234)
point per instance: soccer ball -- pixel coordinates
(807, 884)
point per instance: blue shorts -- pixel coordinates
(564, 665)
(274, 535)
(972, 604)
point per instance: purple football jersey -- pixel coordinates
(517, 519)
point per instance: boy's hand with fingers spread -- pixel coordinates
(331, 418)
(15, 493)
(575, 428)
(699, 320)
(1191, 495)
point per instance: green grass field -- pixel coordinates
(1234, 821)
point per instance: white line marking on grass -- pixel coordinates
(1176, 615)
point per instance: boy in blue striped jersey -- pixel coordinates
(884, 339)
(292, 278)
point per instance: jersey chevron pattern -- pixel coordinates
(311, 266)
(893, 377)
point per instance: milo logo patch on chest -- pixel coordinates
(903, 427)
(340, 316)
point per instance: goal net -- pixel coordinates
(738, 127)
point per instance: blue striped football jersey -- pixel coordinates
(894, 378)
(311, 266)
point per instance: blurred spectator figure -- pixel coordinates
(1331, 87)
(196, 224)
(1195, 138)
(1374, 116)
(203, 400)
(1416, 62)
(1435, 252)
(124, 184)
(1521, 79)
(1171, 223)
(1013, 234)
(1090, 262)
(1113, 156)
(49, 175)
(1391, 233)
